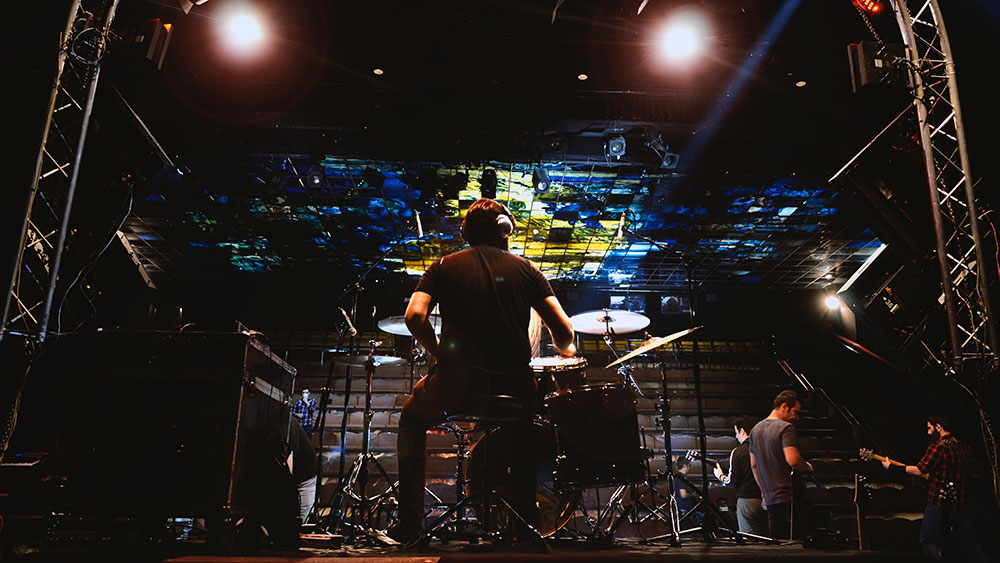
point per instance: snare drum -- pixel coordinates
(597, 437)
(554, 373)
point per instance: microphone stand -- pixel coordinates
(696, 372)
(353, 290)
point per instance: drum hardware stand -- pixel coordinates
(487, 497)
(676, 533)
(360, 472)
(354, 290)
(624, 371)
(324, 405)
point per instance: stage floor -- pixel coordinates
(692, 550)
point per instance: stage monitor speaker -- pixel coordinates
(158, 423)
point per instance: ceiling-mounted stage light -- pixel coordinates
(373, 178)
(315, 175)
(454, 184)
(540, 181)
(488, 184)
(428, 182)
(668, 160)
(870, 6)
(833, 302)
(614, 147)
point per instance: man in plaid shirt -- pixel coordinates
(304, 410)
(945, 465)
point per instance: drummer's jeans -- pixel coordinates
(423, 411)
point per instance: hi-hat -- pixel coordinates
(397, 325)
(362, 360)
(652, 343)
(600, 321)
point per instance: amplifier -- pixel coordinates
(157, 423)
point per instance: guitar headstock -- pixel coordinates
(865, 454)
(693, 455)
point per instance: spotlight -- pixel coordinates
(540, 181)
(668, 160)
(684, 36)
(315, 175)
(454, 184)
(428, 182)
(833, 302)
(614, 147)
(870, 6)
(242, 30)
(373, 178)
(488, 184)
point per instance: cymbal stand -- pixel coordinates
(696, 372)
(624, 371)
(360, 471)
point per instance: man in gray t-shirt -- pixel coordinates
(773, 454)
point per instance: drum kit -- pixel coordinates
(584, 435)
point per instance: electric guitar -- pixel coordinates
(867, 455)
(695, 455)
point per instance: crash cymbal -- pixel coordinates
(652, 343)
(598, 322)
(360, 361)
(397, 325)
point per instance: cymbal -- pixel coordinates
(598, 322)
(652, 343)
(397, 325)
(360, 361)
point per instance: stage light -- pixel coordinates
(315, 175)
(833, 302)
(454, 184)
(242, 30)
(684, 35)
(373, 178)
(614, 147)
(378, 71)
(488, 184)
(540, 181)
(582, 77)
(870, 6)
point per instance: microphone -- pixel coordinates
(621, 226)
(347, 319)
(420, 228)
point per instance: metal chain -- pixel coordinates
(868, 22)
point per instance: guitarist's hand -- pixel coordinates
(886, 463)
(718, 473)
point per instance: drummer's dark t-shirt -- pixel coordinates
(485, 295)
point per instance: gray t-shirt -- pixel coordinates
(769, 437)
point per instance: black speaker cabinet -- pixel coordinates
(157, 423)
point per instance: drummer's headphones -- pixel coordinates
(504, 225)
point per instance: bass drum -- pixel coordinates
(598, 437)
(554, 509)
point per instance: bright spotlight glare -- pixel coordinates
(243, 31)
(833, 302)
(684, 36)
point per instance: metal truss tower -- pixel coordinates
(964, 276)
(964, 272)
(35, 272)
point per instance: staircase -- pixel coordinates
(737, 378)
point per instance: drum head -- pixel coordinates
(557, 363)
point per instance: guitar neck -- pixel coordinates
(877, 457)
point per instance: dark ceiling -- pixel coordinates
(303, 157)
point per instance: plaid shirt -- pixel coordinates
(304, 412)
(946, 462)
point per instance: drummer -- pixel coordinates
(485, 295)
